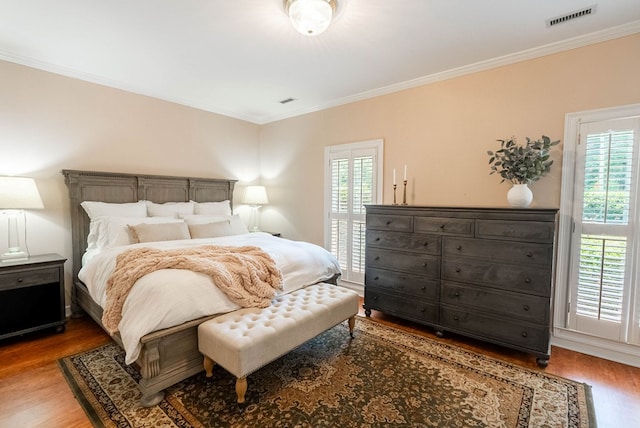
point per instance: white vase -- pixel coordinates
(520, 196)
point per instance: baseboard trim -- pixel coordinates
(358, 288)
(618, 352)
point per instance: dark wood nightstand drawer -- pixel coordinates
(523, 306)
(499, 251)
(408, 262)
(402, 283)
(427, 244)
(28, 278)
(444, 225)
(390, 222)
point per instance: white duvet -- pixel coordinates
(170, 297)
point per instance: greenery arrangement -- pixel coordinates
(522, 164)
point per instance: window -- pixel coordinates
(352, 173)
(598, 294)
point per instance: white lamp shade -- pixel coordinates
(255, 195)
(19, 193)
(310, 17)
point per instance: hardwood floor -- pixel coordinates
(33, 392)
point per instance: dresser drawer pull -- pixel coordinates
(459, 247)
(377, 258)
(455, 318)
(424, 264)
(456, 294)
(421, 309)
(526, 307)
(426, 243)
(524, 334)
(442, 226)
(377, 239)
(423, 288)
(457, 269)
(388, 222)
(20, 280)
(529, 254)
(376, 278)
(527, 280)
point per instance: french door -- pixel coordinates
(602, 289)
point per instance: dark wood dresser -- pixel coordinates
(485, 273)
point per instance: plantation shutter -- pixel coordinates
(605, 220)
(353, 177)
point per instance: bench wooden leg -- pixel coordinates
(352, 324)
(241, 388)
(208, 366)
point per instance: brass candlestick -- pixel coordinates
(394, 194)
(404, 193)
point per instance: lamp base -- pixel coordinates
(15, 255)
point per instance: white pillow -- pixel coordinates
(145, 232)
(210, 230)
(237, 226)
(212, 208)
(96, 209)
(114, 231)
(169, 209)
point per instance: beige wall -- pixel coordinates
(50, 122)
(442, 132)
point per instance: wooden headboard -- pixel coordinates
(121, 187)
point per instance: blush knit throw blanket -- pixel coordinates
(247, 275)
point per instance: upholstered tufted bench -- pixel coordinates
(247, 339)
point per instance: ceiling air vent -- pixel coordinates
(571, 15)
(288, 100)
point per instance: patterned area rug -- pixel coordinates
(382, 377)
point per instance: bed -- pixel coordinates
(169, 354)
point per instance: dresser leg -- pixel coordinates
(367, 312)
(543, 362)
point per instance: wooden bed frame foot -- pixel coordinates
(152, 400)
(241, 388)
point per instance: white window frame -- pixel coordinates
(563, 336)
(353, 148)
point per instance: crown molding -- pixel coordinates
(549, 49)
(565, 45)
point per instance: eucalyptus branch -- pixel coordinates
(522, 164)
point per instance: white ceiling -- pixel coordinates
(241, 57)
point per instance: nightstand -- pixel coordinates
(32, 295)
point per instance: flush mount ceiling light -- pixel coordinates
(310, 17)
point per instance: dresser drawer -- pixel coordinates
(496, 329)
(408, 262)
(390, 222)
(522, 306)
(507, 251)
(518, 278)
(444, 225)
(532, 231)
(427, 244)
(405, 307)
(402, 283)
(28, 278)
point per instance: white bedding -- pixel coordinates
(170, 297)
